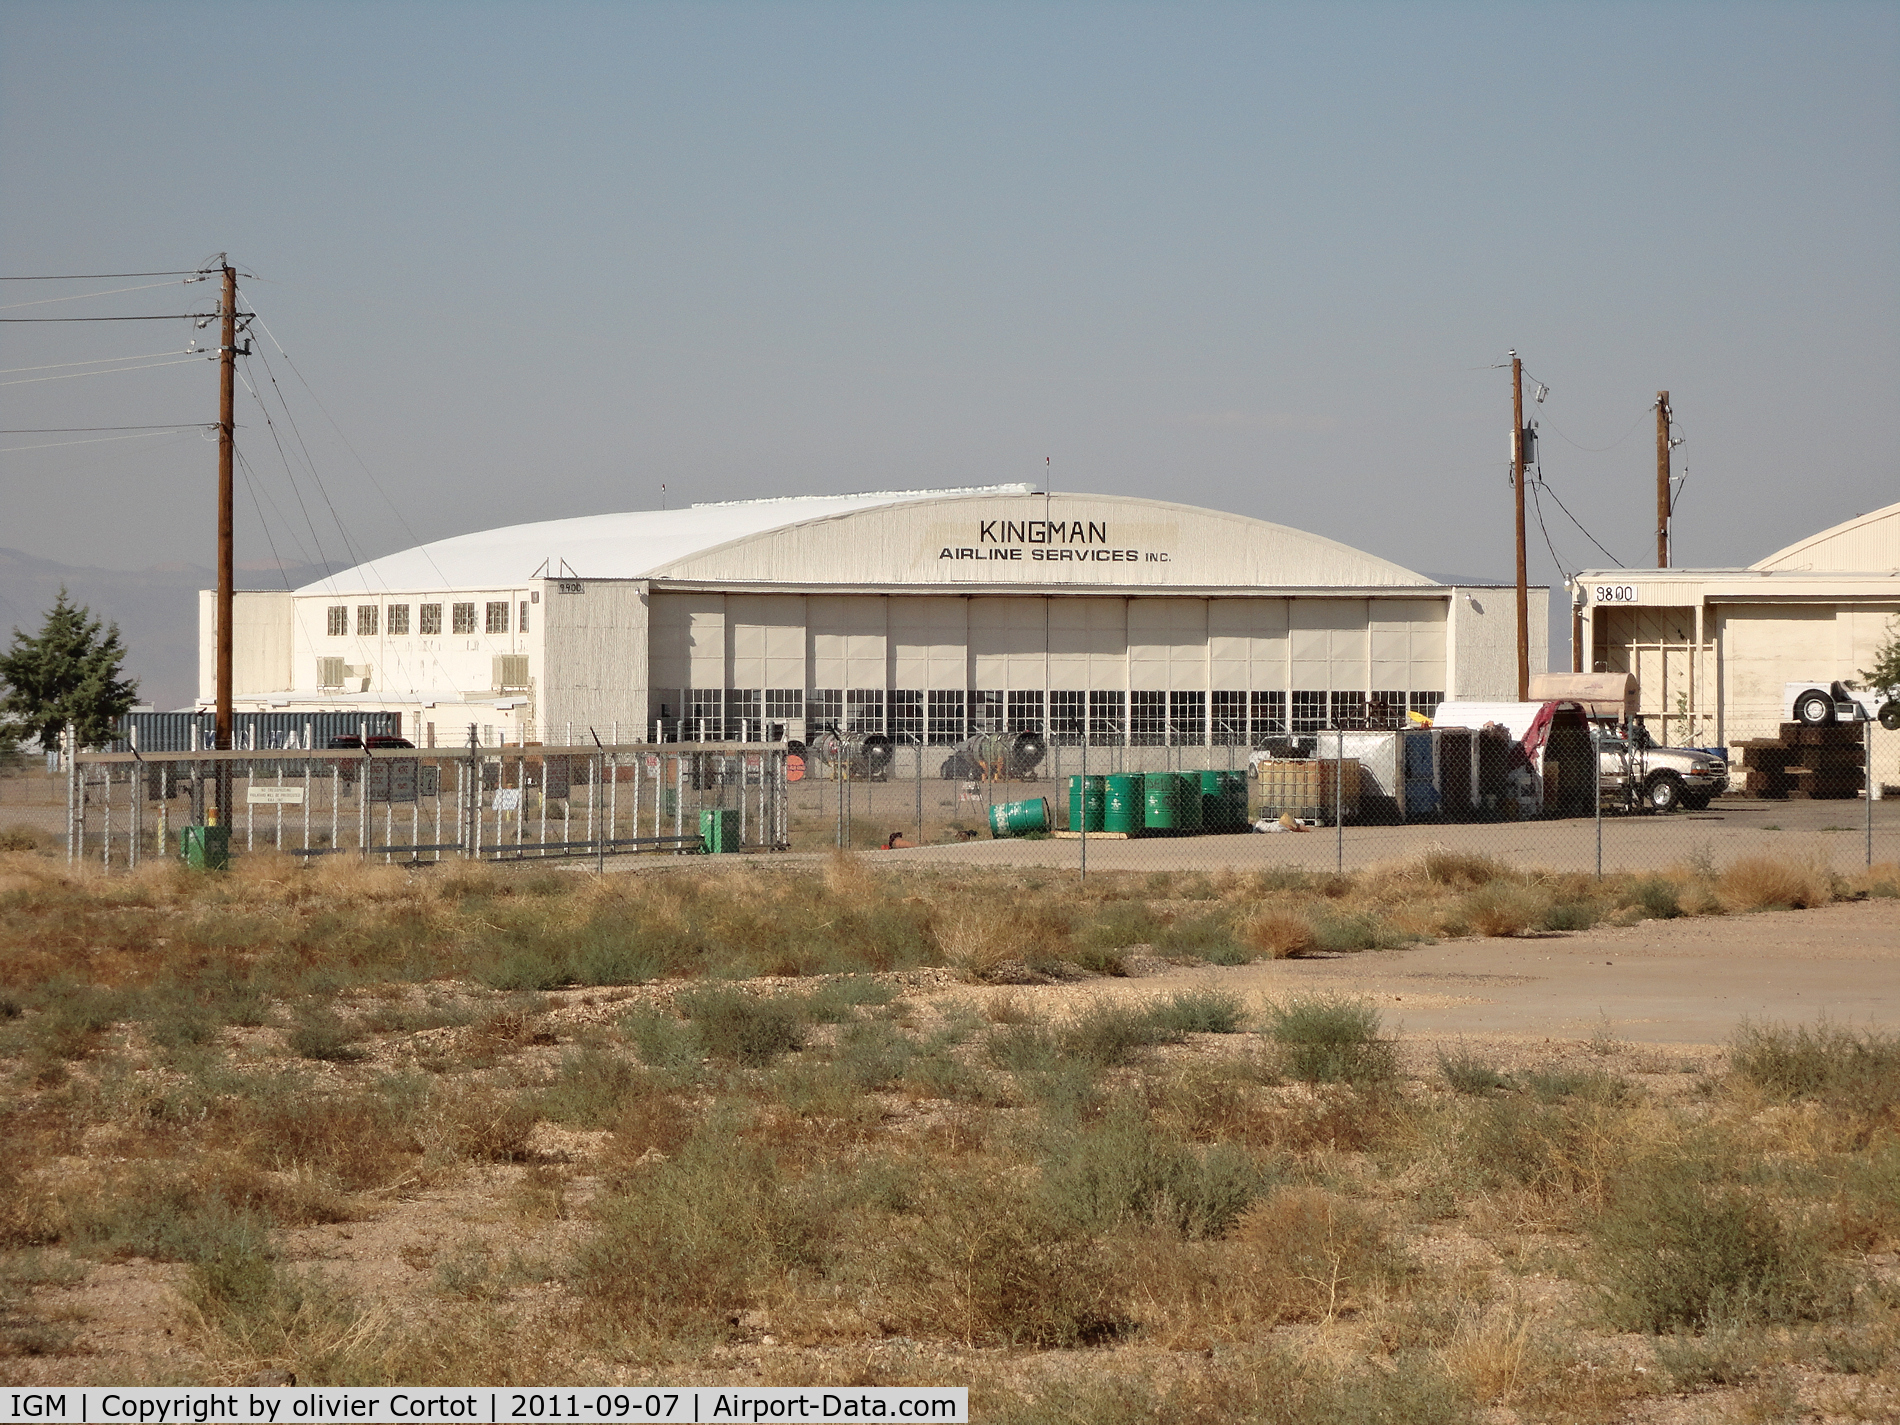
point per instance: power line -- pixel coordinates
(80, 430)
(162, 317)
(1578, 523)
(1601, 449)
(95, 440)
(96, 361)
(115, 371)
(82, 296)
(102, 276)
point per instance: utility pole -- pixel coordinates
(1517, 491)
(227, 444)
(1662, 479)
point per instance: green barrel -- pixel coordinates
(207, 848)
(719, 829)
(1015, 818)
(1188, 818)
(1122, 803)
(1224, 801)
(1087, 798)
(1162, 811)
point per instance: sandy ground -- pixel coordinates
(1683, 982)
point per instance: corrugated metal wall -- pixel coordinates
(171, 731)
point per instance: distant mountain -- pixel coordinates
(156, 610)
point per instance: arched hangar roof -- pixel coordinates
(1866, 544)
(988, 536)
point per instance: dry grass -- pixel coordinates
(429, 1158)
(1776, 883)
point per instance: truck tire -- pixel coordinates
(1814, 708)
(1890, 716)
(1663, 792)
(1695, 801)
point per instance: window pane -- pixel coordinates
(1187, 719)
(431, 618)
(824, 708)
(1230, 719)
(464, 618)
(864, 710)
(1309, 710)
(744, 716)
(398, 620)
(498, 617)
(1025, 711)
(1269, 717)
(1426, 703)
(944, 712)
(986, 712)
(339, 620)
(1066, 716)
(521, 624)
(366, 620)
(1349, 711)
(1147, 719)
(907, 716)
(1108, 718)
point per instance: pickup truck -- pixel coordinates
(1817, 701)
(1660, 778)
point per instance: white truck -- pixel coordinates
(1818, 701)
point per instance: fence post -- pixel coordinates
(75, 813)
(1867, 779)
(1082, 800)
(1339, 802)
(1596, 782)
(600, 845)
(472, 810)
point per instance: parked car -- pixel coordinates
(1660, 778)
(1816, 702)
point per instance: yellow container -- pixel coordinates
(1307, 790)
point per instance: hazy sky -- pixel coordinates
(536, 260)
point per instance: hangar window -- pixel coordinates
(744, 719)
(1426, 703)
(1147, 719)
(907, 715)
(464, 617)
(1025, 711)
(429, 618)
(705, 714)
(824, 707)
(521, 623)
(1309, 710)
(1065, 717)
(783, 705)
(398, 620)
(1269, 717)
(498, 616)
(339, 620)
(1349, 711)
(944, 708)
(864, 710)
(366, 620)
(1187, 719)
(1108, 718)
(1385, 711)
(1230, 719)
(986, 712)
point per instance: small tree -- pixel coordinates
(1884, 676)
(69, 673)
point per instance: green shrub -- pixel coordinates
(1468, 1073)
(1323, 1040)
(1107, 1034)
(1656, 897)
(1829, 1061)
(838, 1000)
(320, 1033)
(1200, 1012)
(664, 1041)
(1676, 1249)
(1123, 1171)
(590, 1088)
(872, 1054)
(750, 1029)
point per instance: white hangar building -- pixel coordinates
(1713, 649)
(924, 614)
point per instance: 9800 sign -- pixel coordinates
(1615, 593)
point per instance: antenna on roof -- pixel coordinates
(662, 494)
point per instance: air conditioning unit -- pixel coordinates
(511, 672)
(331, 672)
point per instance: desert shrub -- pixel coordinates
(1571, 915)
(173, 1214)
(1829, 1061)
(664, 1041)
(1676, 1248)
(1461, 869)
(318, 1032)
(1106, 1034)
(1343, 932)
(360, 1139)
(1776, 883)
(1549, 1085)
(1279, 933)
(1206, 937)
(71, 1014)
(1558, 1149)
(1123, 1171)
(838, 1000)
(590, 1088)
(1199, 1012)
(1323, 1040)
(1022, 1047)
(1324, 1243)
(1657, 897)
(751, 1029)
(1117, 925)
(484, 1126)
(697, 1237)
(25, 838)
(872, 1054)
(985, 1265)
(1467, 1072)
(1502, 908)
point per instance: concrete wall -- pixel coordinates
(596, 647)
(1481, 642)
(261, 645)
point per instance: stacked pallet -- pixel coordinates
(1826, 763)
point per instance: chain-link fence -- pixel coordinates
(408, 804)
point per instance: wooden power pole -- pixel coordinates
(227, 445)
(1662, 479)
(1517, 492)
